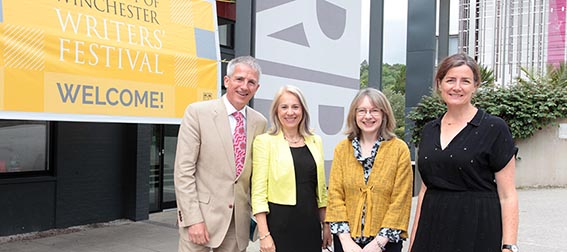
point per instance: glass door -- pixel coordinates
(169, 148)
(162, 158)
(156, 148)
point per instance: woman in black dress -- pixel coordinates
(468, 200)
(289, 192)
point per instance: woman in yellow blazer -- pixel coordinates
(370, 186)
(289, 193)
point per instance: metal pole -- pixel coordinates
(243, 28)
(375, 45)
(421, 51)
(443, 40)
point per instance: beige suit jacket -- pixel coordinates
(206, 185)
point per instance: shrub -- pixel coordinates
(526, 106)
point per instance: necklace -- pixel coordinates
(293, 141)
(454, 123)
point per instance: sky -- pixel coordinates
(395, 29)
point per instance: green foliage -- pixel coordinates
(398, 103)
(393, 76)
(555, 76)
(527, 106)
(429, 108)
(486, 76)
(364, 74)
(400, 84)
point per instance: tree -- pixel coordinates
(400, 83)
(398, 103)
(364, 74)
(393, 76)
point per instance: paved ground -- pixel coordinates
(543, 224)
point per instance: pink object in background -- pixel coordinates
(556, 32)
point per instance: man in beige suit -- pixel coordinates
(213, 199)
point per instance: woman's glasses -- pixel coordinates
(363, 111)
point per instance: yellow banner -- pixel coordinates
(113, 58)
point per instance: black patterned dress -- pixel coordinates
(297, 228)
(461, 209)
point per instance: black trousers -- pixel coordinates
(390, 247)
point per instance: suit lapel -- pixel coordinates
(250, 132)
(222, 125)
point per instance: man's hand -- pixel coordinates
(198, 233)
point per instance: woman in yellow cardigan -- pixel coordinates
(370, 186)
(289, 193)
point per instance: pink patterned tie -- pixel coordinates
(239, 142)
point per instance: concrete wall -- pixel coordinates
(543, 158)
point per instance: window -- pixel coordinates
(226, 33)
(23, 146)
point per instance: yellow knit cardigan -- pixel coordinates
(387, 195)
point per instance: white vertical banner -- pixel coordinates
(314, 45)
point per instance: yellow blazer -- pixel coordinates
(387, 195)
(273, 174)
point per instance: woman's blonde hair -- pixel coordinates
(275, 122)
(379, 100)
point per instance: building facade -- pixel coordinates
(63, 173)
(508, 35)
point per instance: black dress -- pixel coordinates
(297, 228)
(461, 209)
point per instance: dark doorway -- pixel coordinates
(162, 157)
